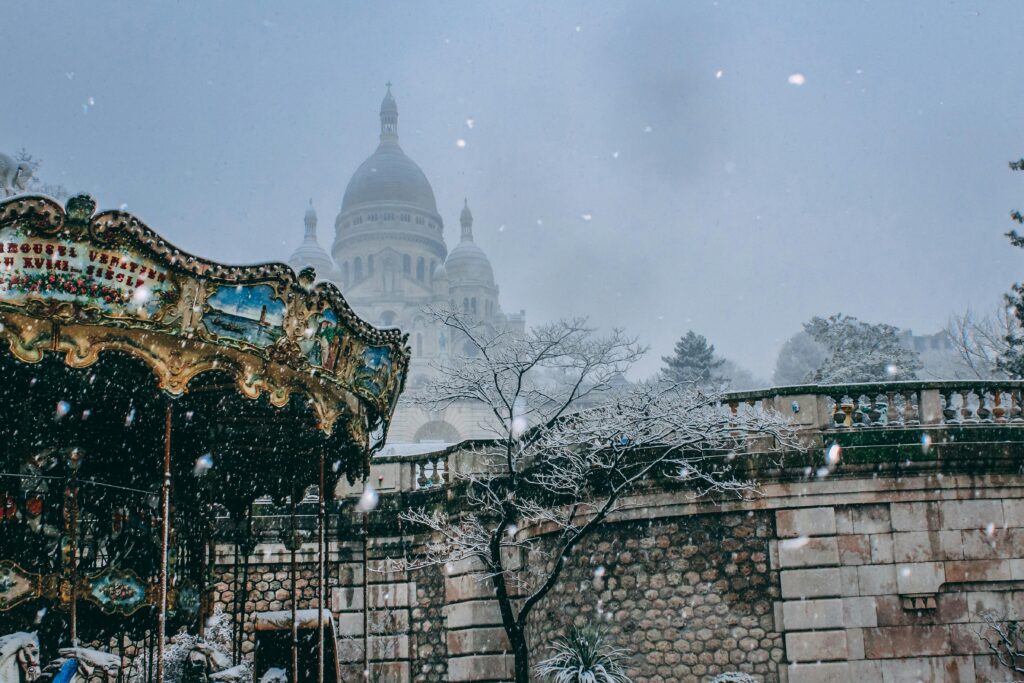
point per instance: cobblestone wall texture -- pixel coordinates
(691, 597)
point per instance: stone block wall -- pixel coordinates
(894, 586)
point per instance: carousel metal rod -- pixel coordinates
(237, 582)
(73, 556)
(366, 595)
(86, 482)
(321, 574)
(243, 590)
(165, 532)
(295, 594)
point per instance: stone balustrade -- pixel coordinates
(821, 413)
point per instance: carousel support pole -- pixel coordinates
(248, 547)
(206, 560)
(366, 575)
(165, 532)
(73, 556)
(236, 582)
(295, 594)
(321, 575)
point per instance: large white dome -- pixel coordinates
(389, 176)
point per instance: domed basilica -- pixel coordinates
(391, 261)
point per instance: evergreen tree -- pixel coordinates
(860, 352)
(798, 360)
(693, 361)
(1012, 360)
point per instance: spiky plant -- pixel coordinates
(585, 656)
(732, 677)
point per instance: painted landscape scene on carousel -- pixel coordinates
(249, 313)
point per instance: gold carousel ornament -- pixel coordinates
(161, 392)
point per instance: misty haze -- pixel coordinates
(620, 342)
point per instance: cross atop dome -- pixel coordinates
(466, 221)
(388, 117)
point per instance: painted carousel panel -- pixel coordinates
(122, 283)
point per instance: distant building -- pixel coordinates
(391, 261)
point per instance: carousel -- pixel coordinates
(149, 399)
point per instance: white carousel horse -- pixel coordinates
(82, 665)
(206, 664)
(19, 657)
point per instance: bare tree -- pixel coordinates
(35, 183)
(1004, 639)
(556, 467)
(980, 341)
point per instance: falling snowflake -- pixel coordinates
(203, 465)
(718, 74)
(796, 79)
(368, 500)
(835, 452)
(460, 143)
(586, 216)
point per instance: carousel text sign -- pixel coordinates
(32, 267)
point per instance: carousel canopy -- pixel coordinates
(75, 283)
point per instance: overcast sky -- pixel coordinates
(657, 166)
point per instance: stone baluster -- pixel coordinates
(846, 406)
(984, 413)
(1015, 405)
(910, 415)
(734, 407)
(998, 411)
(878, 410)
(838, 416)
(421, 476)
(892, 415)
(436, 478)
(949, 411)
(967, 414)
(862, 418)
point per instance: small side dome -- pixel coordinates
(467, 262)
(310, 253)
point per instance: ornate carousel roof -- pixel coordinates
(76, 283)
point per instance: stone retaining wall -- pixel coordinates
(848, 579)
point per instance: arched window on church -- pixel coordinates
(419, 343)
(433, 267)
(407, 264)
(344, 273)
(357, 269)
(472, 305)
(419, 268)
(465, 305)
(369, 264)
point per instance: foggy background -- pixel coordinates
(649, 164)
